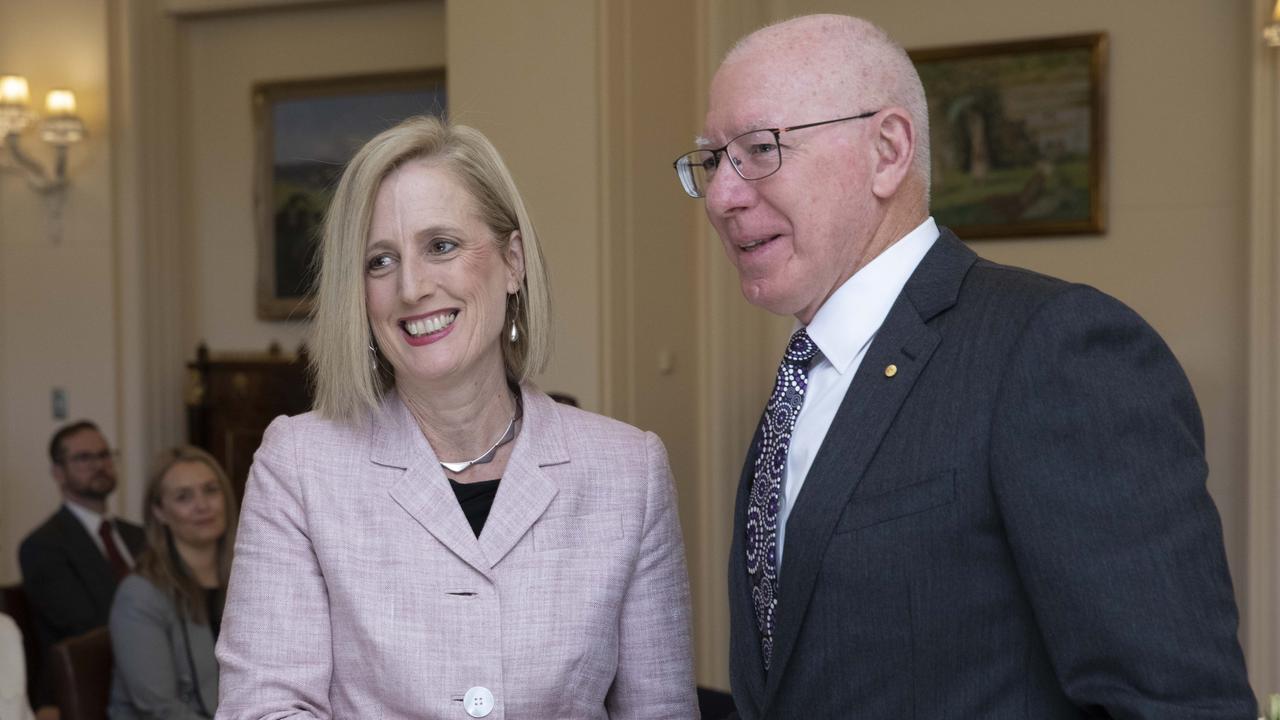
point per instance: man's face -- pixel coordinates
(86, 471)
(798, 234)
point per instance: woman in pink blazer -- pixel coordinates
(439, 539)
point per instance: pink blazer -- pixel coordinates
(360, 591)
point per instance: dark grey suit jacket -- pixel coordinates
(68, 581)
(1014, 525)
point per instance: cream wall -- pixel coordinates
(221, 57)
(525, 73)
(57, 286)
(1263, 608)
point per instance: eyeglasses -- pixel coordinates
(754, 155)
(85, 458)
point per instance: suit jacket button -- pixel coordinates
(891, 370)
(478, 702)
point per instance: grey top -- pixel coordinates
(152, 675)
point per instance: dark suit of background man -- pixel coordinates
(72, 563)
(994, 501)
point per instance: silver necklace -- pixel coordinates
(487, 456)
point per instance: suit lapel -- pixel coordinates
(747, 674)
(874, 397)
(526, 490)
(88, 560)
(423, 491)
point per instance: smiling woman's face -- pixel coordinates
(436, 280)
(192, 503)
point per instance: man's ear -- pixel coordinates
(895, 145)
(59, 474)
(514, 258)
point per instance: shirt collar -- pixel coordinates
(849, 319)
(89, 518)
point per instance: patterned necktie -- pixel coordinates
(119, 568)
(766, 482)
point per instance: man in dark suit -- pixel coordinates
(976, 492)
(72, 563)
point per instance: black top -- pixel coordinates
(214, 599)
(476, 500)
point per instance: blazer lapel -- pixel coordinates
(869, 407)
(423, 491)
(201, 654)
(525, 491)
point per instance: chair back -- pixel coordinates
(82, 675)
(13, 602)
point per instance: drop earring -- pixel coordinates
(514, 334)
(373, 356)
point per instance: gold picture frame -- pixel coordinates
(305, 132)
(1018, 136)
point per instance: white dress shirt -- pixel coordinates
(92, 521)
(843, 329)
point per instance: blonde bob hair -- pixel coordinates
(160, 563)
(350, 374)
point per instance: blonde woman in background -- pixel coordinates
(166, 617)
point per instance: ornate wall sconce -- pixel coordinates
(60, 127)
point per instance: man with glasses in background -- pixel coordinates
(72, 563)
(976, 491)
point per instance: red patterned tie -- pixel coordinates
(119, 567)
(762, 508)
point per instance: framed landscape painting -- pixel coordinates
(1017, 136)
(306, 132)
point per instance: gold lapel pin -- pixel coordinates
(890, 370)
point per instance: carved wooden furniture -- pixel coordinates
(232, 397)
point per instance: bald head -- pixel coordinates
(846, 63)
(832, 114)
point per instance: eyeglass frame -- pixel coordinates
(777, 146)
(85, 458)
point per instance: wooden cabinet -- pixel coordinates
(232, 397)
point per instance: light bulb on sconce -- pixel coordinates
(60, 103)
(60, 128)
(14, 90)
(1271, 32)
(14, 98)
